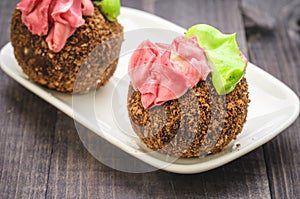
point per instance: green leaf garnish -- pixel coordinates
(110, 8)
(223, 55)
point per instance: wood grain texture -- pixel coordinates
(26, 141)
(26, 131)
(278, 53)
(41, 155)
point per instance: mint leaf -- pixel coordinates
(223, 55)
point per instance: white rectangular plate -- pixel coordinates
(273, 105)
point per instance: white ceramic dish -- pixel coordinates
(273, 106)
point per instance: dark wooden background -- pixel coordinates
(41, 155)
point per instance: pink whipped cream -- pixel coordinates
(58, 19)
(162, 72)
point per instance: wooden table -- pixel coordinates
(41, 155)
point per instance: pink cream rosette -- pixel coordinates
(162, 72)
(58, 19)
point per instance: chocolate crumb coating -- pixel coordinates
(86, 62)
(198, 123)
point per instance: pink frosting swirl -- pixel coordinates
(163, 72)
(62, 17)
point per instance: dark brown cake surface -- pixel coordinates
(198, 123)
(87, 61)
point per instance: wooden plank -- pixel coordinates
(234, 180)
(26, 131)
(278, 53)
(74, 173)
(26, 141)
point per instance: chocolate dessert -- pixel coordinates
(70, 47)
(190, 98)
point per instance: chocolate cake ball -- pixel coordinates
(198, 123)
(93, 50)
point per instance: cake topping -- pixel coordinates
(66, 16)
(35, 15)
(61, 16)
(227, 62)
(163, 72)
